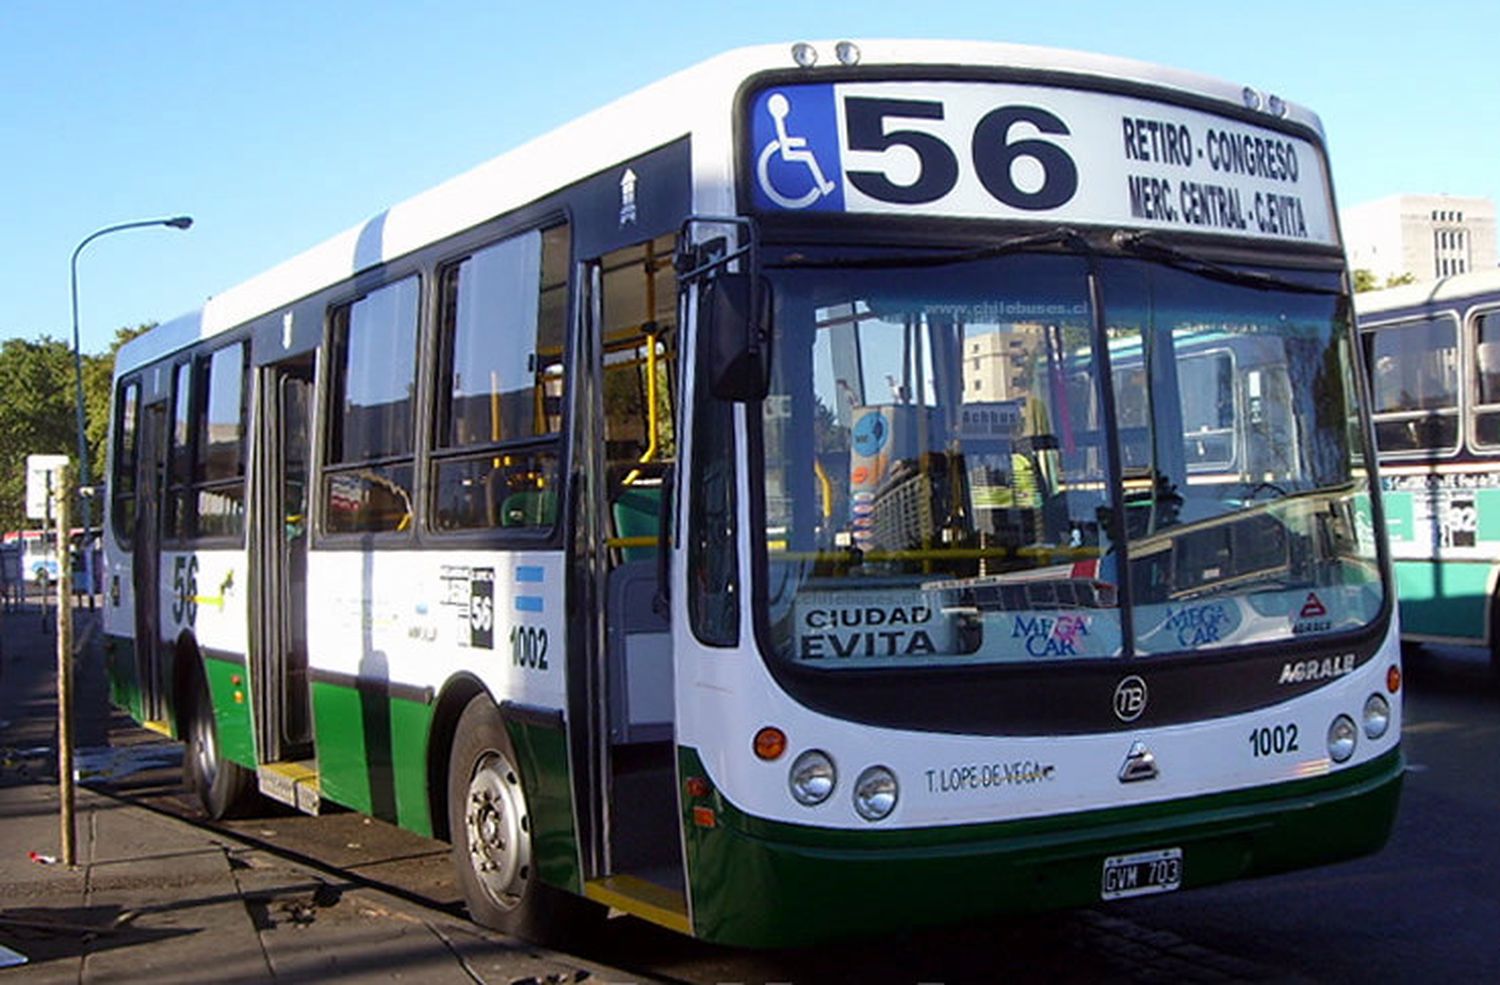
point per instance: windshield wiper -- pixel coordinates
(1144, 244)
(1060, 236)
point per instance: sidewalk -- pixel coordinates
(157, 899)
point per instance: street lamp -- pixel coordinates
(85, 479)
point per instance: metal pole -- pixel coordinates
(65, 671)
(85, 475)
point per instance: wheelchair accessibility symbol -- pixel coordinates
(808, 183)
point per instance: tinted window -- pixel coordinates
(1413, 369)
(368, 484)
(500, 385)
(376, 341)
(1487, 378)
(122, 481)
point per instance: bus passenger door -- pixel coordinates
(151, 464)
(279, 658)
(633, 333)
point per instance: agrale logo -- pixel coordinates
(1316, 670)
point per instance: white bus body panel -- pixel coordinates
(417, 618)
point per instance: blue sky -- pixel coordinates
(278, 124)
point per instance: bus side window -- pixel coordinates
(502, 318)
(368, 482)
(1413, 369)
(122, 482)
(1487, 382)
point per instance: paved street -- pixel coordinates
(157, 898)
(1424, 909)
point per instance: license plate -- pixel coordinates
(1142, 873)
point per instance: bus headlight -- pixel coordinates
(1377, 716)
(1341, 738)
(875, 793)
(812, 777)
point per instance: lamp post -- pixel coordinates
(85, 479)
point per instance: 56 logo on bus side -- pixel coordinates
(185, 589)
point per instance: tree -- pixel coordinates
(38, 415)
(1365, 280)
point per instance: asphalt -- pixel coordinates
(154, 898)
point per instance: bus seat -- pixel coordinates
(637, 513)
(530, 508)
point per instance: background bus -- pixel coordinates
(921, 475)
(1432, 352)
(36, 553)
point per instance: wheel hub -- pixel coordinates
(495, 818)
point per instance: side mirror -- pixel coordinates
(734, 326)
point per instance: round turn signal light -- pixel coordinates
(770, 743)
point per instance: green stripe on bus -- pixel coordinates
(1446, 598)
(766, 883)
(372, 753)
(1487, 505)
(547, 779)
(232, 717)
(124, 682)
(1400, 522)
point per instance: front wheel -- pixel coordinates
(224, 789)
(490, 823)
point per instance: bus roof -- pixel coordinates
(1449, 292)
(696, 100)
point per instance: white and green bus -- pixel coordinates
(839, 487)
(1432, 352)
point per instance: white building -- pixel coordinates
(997, 365)
(1426, 236)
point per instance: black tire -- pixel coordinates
(224, 789)
(490, 824)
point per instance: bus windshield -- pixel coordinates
(986, 480)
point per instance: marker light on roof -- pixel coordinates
(847, 52)
(1276, 105)
(1251, 97)
(804, 54)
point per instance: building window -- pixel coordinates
(368, 482)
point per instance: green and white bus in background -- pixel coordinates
(1432, 351)
(837, 488)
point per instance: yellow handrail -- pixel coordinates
(827, 488)
(649, 454)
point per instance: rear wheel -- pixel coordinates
(490, 823)
(225, 789)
